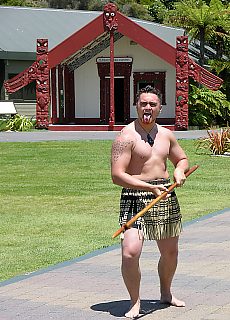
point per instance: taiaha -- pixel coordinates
(129, 223)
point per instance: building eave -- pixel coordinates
(10, 55)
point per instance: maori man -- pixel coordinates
(138, 164)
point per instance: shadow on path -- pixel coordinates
(119, 308)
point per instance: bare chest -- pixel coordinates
(144, 152)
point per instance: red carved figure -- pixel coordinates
(42, 46)
(110, 19)
(42, 55)
(42, 95)
(182, 84)
(42, 84)
(182, 61)
(182, 43)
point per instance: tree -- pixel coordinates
(201, 21)
(156, 8)
(61, 4)
(96, 5)
(134, 9)
(19, 3)
(221, 36)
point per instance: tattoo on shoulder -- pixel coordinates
(118, 148)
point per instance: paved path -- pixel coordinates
(80, 135)
(91, 287)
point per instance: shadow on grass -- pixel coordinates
(119, 308)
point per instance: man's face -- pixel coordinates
(148, 107)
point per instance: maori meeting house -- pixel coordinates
(81, 70)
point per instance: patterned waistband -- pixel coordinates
(164, 181)
(159, 181)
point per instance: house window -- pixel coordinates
(27, 93)
(154, 79)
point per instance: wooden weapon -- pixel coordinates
(128, 224)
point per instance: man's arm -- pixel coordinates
(120, 159)
(180, 161)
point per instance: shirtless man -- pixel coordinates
(138, 164)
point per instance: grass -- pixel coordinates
(58, 201)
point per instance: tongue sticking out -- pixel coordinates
(146, 118)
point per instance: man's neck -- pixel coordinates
(146, 127)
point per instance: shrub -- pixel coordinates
(207, 108)
(19, 123)
(218, 142)
(3, 124)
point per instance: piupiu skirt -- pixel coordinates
(162, 221)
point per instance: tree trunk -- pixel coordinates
(202, 39)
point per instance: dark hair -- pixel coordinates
(149, 89)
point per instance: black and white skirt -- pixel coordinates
(162, 221)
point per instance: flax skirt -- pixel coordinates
(162, 221)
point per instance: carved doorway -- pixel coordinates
(121, 90)
(120, 101)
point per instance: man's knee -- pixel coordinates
(130, 253)
(171, 253)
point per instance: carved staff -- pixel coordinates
(128, 224)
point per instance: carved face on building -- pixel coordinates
(182, 43)
(110, 20)
(42, 54)
(182, 59)
(182, 83)
(42, 46)
(42, 86)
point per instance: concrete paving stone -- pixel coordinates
(56, 314)
(213, 299)
(6, 316)
(217, 317)
(13, 304)
(198, 312)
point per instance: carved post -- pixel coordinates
(42, 84)
(182, 84)
(110, 24)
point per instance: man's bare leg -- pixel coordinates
(166, 269)
(131, 251)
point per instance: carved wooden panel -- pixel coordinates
(182, 84)
(203, 76)
(42, 84)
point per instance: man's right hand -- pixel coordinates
(159, 189)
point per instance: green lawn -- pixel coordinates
(58, 201)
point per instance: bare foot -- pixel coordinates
(134, 311)
(173, 301)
